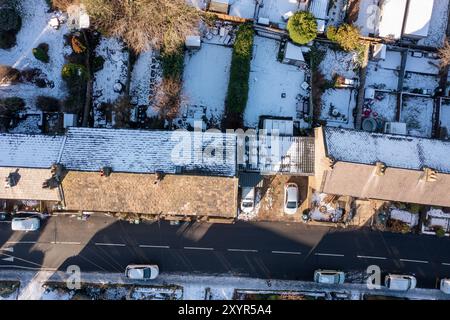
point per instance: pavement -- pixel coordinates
(261, 250)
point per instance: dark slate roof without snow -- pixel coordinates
(394, 150)
(137, 151)
(29, 151)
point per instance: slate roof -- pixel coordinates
(29, 151)
(137, 151)
(394, 150)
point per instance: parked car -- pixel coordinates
(290, 198)
(142, 272)
(329, 277)
(400, 282)
(445, 286)
(248, 199)
(25, 224)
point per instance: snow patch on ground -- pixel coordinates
(114, 71)
(420, 81)
(417, 113)
(337, 62)
(407, 217)
(35, 30)
(384, 105)
(269, 80)
(337, 107)
(444, 117)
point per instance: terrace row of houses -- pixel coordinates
(195, 175)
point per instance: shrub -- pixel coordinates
(440, 232)
(237, 94)
(9, 75)
(41, 53)
(74, 72)
(77, 45)
(12, 104)
(173, 63)
(302, 27)
(48, 104)
(97, 63)
(346, 36)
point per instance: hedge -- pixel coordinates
(41, 53)
(10, 24)
(173, 63)
(237, 94)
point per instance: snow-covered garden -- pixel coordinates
(417, 113)
(275, 88)
(444, 118)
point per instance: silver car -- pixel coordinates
(25, 224)
(329, 277)
(142, 271)
(291, 198)
(400, 282)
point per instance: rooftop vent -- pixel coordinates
(105, 171)
(380, 169)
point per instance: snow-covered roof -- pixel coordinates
(393, 150)
(29, 151)
(392, 17)
(319, 9)
(193, 41)
(418, 18)
(137, 151)
(293, 52)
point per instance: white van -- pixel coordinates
(400, 282)
(25, 224)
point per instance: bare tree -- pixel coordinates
(444, 54)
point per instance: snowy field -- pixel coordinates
(114, 71)
(35, 30)
(438, 25)
(417, 112)
(205, 80)
(269, 80)
(337, 107)
(444, 117)
(275, 9)
(338, 62)
(384, 106)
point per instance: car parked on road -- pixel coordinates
(290, 198)
(248, 199)
(445, 286)
(400, 282)
(329, 277)
(142, 271)
(25, 224)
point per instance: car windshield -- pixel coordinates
(147, 273)
(247, 204)
(291, 205)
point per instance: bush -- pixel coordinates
(48, 104)
(302, 27)
(440, 232)
(41, 53)
(74, 72)
(12, 104)
(346, 36)
(173, 63)
(9, 75)
(97, 63)
(77, 45)
(10, 24)
(237, 94)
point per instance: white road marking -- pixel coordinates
(329, 254)
(414, 261)
(21, 242)
(372, 257)
(242, 250)
(66, 242)
(445, 264)
(7, 249)
(198, 248)
(151, 246)
(286, 252)
(110, 244)
(27, 268)
(9, 259)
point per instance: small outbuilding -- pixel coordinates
(293, 55)
(193, 42)
(219, 6)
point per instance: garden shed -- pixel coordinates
(293, 55)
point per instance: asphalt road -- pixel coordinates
(264, 250)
